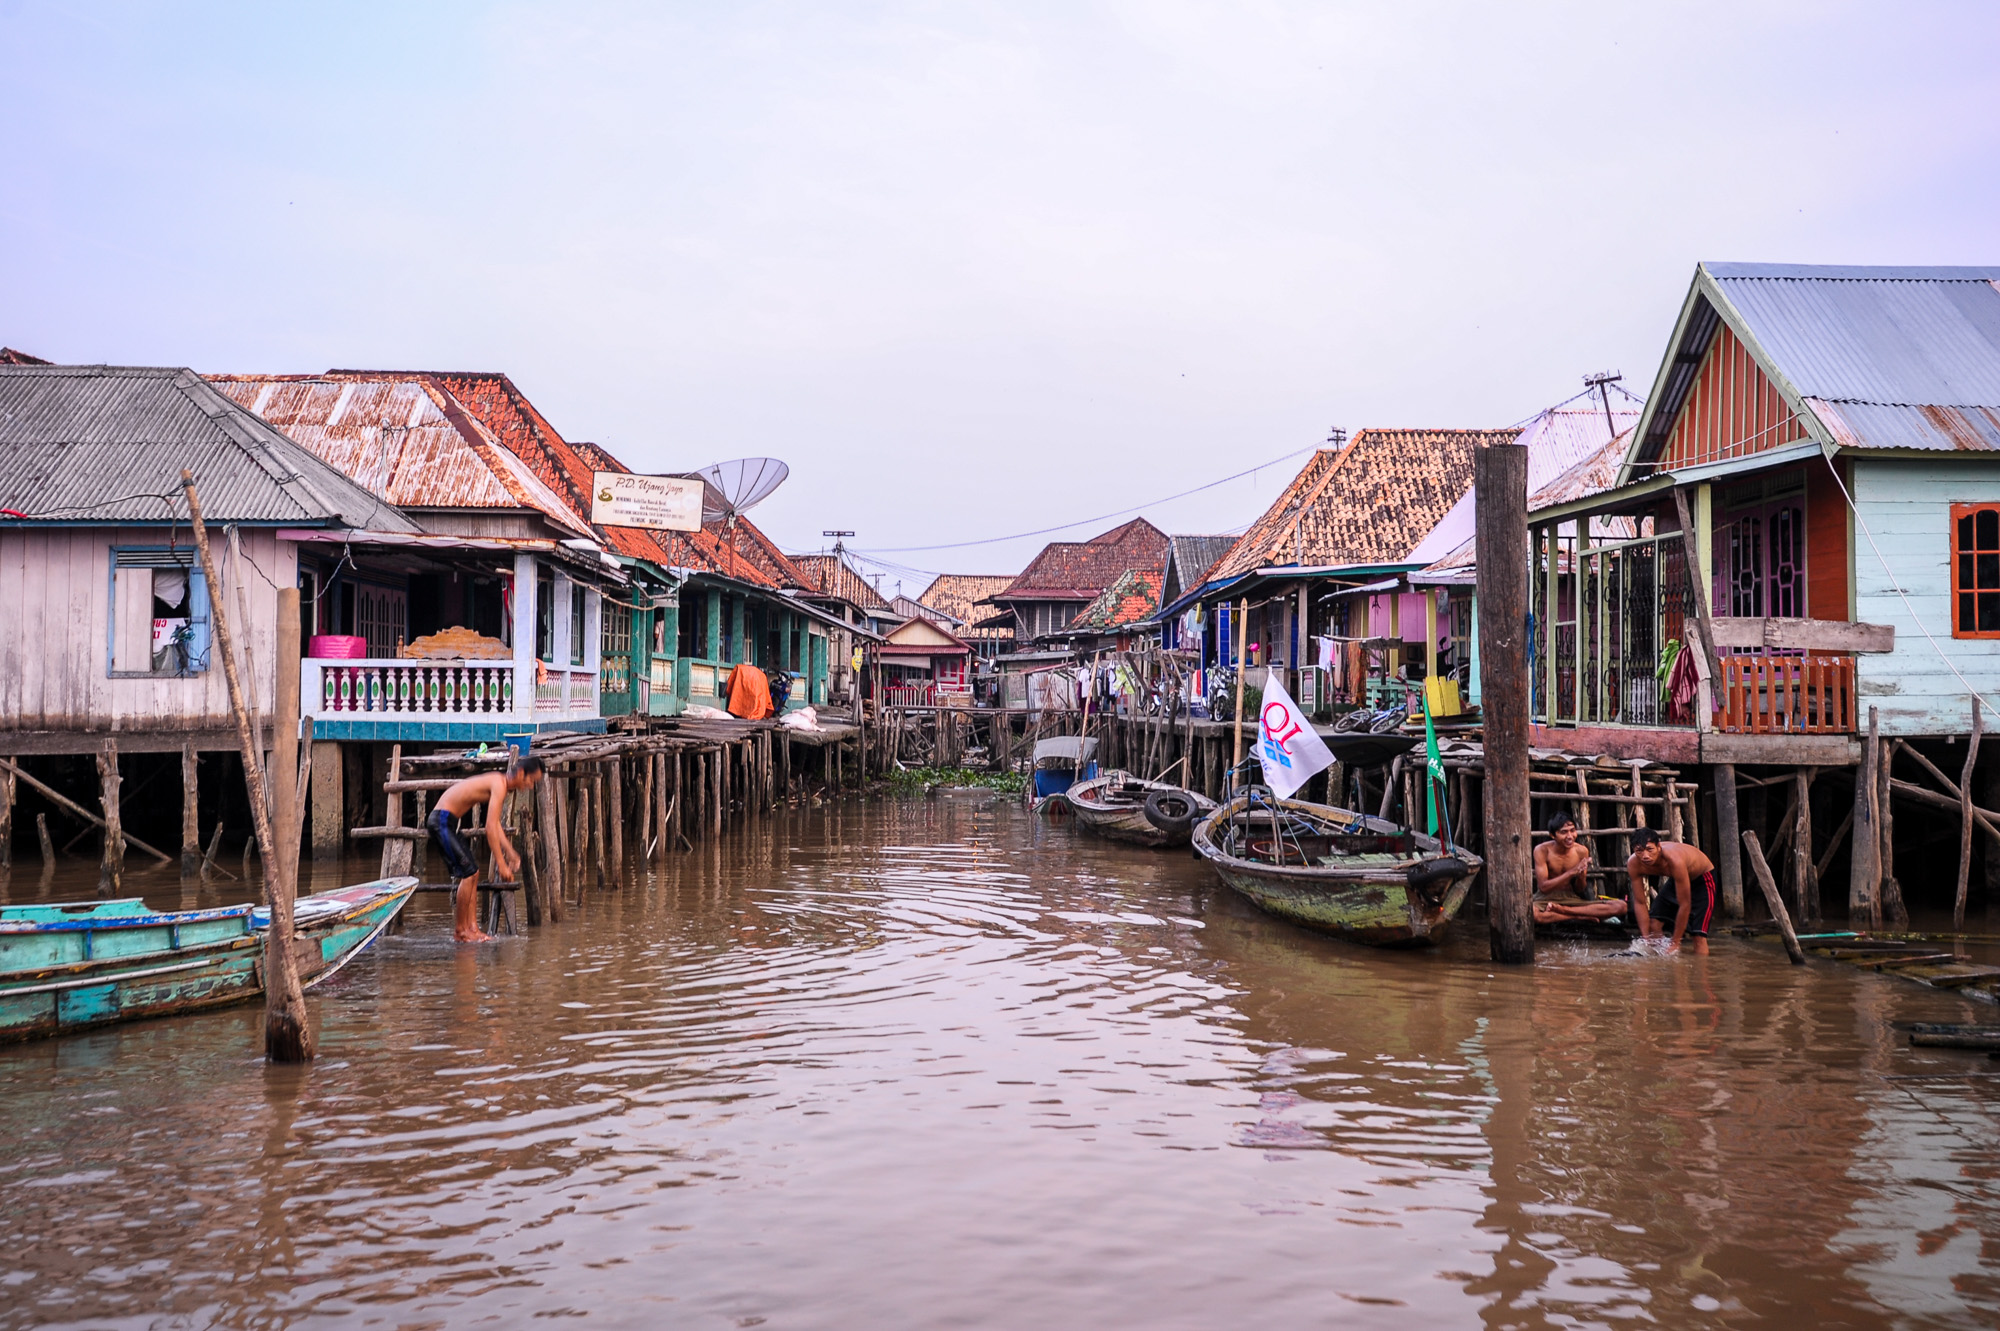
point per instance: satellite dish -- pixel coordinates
(730, 488)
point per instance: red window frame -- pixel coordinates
(1975, 571)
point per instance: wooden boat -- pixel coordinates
(1124, 807)
(1059, 763)
(67, 966)
(1363, 878)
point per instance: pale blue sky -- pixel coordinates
(969, 269)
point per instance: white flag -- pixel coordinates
(1290, 750)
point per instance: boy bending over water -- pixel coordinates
(490, 789)
(1688, 894)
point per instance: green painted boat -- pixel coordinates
(67, 966)
(1361, 878)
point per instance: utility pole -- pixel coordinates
(1602, 381)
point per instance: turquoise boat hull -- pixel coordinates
(71, 966)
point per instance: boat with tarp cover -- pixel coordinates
(65, 966)
(1349, 874)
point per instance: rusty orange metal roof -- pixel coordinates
(1133, 596)
(401, 437)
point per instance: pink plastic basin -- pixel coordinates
(337, 646)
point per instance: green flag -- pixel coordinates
(1433, 766)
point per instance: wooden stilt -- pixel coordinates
(643, 809)
(190, 814)
(1965, 821)
(1864, 880)
(1773, 900)
(600, 814)
(1804, 883)
(548, 840)
(1889, 898)
(6, 820)
(48, 846)
(214, 847)
(614, 818)
(111, 870)
(1501, 484)
(1728, 843)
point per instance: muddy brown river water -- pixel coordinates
(931, 1063)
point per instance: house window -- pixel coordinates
(1975, 570)
(159, 614)
(576, 621)
(693, 624)
(545, 615)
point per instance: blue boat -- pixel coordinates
(66, 966)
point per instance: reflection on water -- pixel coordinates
(934, 1063)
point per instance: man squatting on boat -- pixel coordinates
(490, 789)
(1561, 864)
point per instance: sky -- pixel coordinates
(971, 270)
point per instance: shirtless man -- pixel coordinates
(490, 789)
(1689, 892)
(1561, 865)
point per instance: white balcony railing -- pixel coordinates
(391, 689)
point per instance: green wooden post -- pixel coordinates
(713, 646)
(736, 618)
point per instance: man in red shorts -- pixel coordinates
(1688, 893)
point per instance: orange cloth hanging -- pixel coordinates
(749, 693)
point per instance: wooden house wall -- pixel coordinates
(55, 603)
(1906, 507)
(1731, 410)
(1828, 548)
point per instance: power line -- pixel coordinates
(1102, 517)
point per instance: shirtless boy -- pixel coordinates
(1561, 865)
(1688, 894)
(490, 789)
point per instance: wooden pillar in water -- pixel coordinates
(1500, 481)
(329, 810)
(6, 818)
(1728, 841)
(190, 813)
(1864, 877)
(603, 819)
(614, 818)
(1804, 882)
(1890, 893)
(111, 870)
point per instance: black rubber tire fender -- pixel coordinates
(1172, 811)
(1430, 875)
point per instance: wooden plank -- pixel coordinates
(1779, 750)
(1812, 635)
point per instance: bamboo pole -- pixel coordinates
(288, 1036)
(1236, 722)
(291, 1040)
(1965, 822)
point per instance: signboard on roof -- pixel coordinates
(665, 503)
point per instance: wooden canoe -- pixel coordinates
(68, 966)
(1361, 878)
(1114, 806)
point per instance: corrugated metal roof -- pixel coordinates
(395, 436)
(1193, 556)
(94, 443)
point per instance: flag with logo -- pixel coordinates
(1289, 749)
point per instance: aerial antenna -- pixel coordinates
(1602, 382)
(839, 550)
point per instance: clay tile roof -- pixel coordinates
(958, 594)
(1131, 597)
(1079, 570)
(1369, 502)
(830, 575)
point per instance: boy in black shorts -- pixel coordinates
(1688, 893)
(490, 789)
